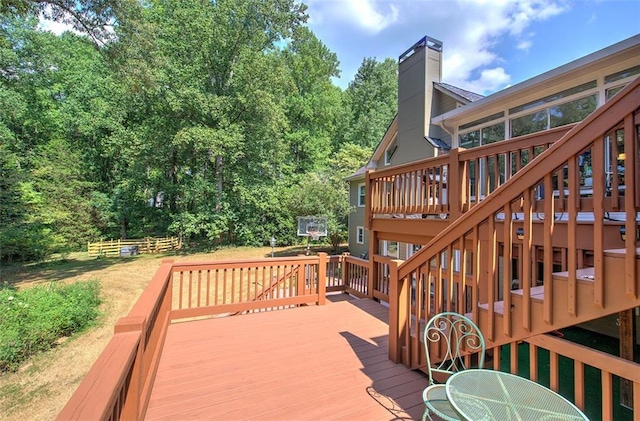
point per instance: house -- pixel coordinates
(434, 117)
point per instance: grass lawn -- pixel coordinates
(42, 386)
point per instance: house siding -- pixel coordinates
(356, 219)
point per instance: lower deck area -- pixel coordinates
(313, 362)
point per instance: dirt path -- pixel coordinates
(43, 385)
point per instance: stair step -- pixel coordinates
(537, 292)
(583, 274)
(620, 253)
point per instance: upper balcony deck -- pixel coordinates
(312, 362)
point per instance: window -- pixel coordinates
(612, 91)
(389, 152)
(390, 248)
(412, 249)
(361, 195)
(551, 98)
(360, 235)
(572, 111)
(622, 75)
(529, 123)
(554, 116)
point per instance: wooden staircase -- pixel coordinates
(616, 300)
(467, 267)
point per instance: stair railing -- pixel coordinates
(465, 265)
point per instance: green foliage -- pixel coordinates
(217, 121)
(372, 99)
(32, 320)
(320, 194)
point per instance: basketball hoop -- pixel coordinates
(312, 227)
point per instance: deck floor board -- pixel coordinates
(317, 362)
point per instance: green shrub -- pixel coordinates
(32, 320)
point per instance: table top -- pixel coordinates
(494, 395)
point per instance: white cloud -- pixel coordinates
(471, 57)
(490, 80)
(371, 16)
(478, 35)
(368, 16)
(524, 45)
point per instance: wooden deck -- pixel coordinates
(317, 362)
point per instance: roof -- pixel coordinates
(468, 95)
(358, 174)
(438, 143)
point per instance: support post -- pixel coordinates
(398, 299)
(322, 278)
(454, 185)
(373, 267)
(346, 276)
(627, 345)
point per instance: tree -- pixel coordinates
(96, 18)
(314, 104)
(214, 107)
(320, 194)
(372, 101)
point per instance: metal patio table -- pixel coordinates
(493, 395)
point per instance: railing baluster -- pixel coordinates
(574, 190)
(491, 278)
(549, 226)
(598, 184)
(506, 264)
(527, 242)
(631, 202)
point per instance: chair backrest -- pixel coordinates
(455, 336)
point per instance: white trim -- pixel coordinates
(363, 196)
(359, 230)
(388, 155)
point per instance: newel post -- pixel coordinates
(131, 409)
(346, 276)
(373, 275)
(322, 278)
(455, 187)
(367, 199)
(398, 299)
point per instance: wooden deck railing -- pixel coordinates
(581, 357)
(465, 264)
(453, 183)
(118, 385)
(210, 288)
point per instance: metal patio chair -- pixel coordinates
(459, 336)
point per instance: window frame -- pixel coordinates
(359, 233)
(361, 195)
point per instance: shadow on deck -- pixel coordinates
(312, 362)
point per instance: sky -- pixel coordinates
(488, 45)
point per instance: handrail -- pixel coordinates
(460, 268)
(98, 400)
(422, 187)
(576, 140)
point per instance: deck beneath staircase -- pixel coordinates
(315, 362)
